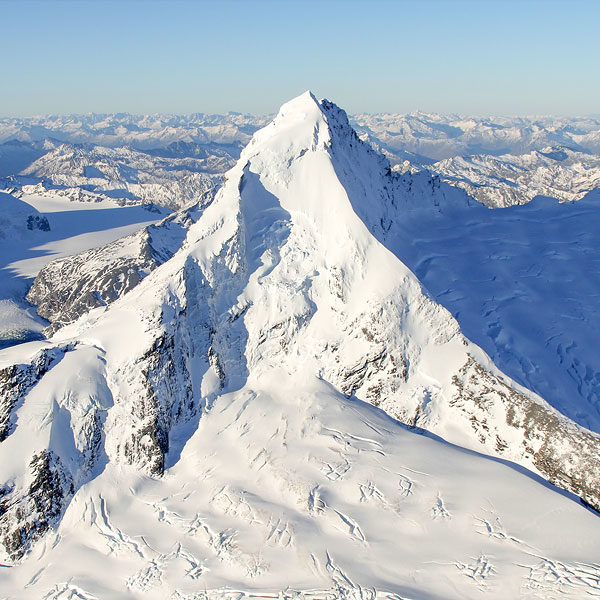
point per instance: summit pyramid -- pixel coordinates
(280, 409)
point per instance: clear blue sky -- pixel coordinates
(478, 56)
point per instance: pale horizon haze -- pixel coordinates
(499, 57)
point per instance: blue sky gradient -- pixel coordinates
(466, 56)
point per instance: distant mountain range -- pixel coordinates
(498, 161)
(299, 357)
(437, 137)
(271, 392)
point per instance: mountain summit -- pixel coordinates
(248, 418)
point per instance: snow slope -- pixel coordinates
(211, 429)
(523, 284)
(288, 489)
(16, 156)
(36, 229)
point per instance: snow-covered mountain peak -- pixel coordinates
(305, 103)
(305, 123)
(299, 125)
(286, 225)
(291, 267)
(311, 147)
(231, 378)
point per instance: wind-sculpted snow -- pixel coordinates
(288, 489)
(236, 452)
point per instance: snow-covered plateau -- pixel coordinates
(257, 397)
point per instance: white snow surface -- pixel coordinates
(523, 282)
(285, 486)
(282, 483)
(74, 226)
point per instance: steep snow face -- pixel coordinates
(240, 360)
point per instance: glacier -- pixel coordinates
(278, 408)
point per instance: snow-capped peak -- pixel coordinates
(299, 125)
(303, 106)
(236, 367)
(288, 267)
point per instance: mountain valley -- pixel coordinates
(269, 361)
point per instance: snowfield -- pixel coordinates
(286, 488)
(278, 409)
(523, 282)
(37, 229)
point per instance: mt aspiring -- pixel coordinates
(278, 409)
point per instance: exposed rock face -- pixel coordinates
(38, 222)
(26, 518)
(17, 380)
(167, 400)
(288, 273)
(69, 287)
(19, 220)
(565, 454)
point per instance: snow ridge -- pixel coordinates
(251, 346)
